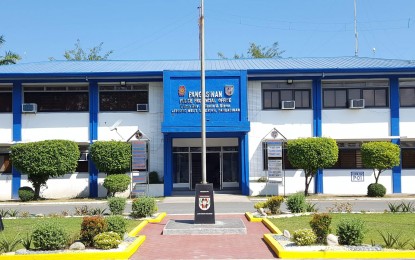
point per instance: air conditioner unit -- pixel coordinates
(289, 104)
(357, 103)
(29, 108)
(142, 107)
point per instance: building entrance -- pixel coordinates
(222, 167)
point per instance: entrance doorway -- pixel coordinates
(222, 167)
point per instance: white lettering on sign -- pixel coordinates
(208, 94)
(357, 176)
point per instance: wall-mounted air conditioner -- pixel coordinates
(357, 103)
(289, 104)
(142, 107)
(29, 108)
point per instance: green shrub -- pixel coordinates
(296, 203)
(49, 236)
(320, 224)
(260, 205)
(304, 237)
(111, 157)
(350, 232)
(117, 205)
(107, 240)
(117, 224)
(376, 190)
(90, 227)
(274, 204)
(143, 207)
(116, 183)
(153, 177)
(26, 193)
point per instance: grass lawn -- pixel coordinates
(403, 223)
(21, 226)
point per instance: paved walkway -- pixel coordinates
(249, 246)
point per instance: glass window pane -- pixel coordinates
(181, 167)
(267, 101)
(407, 97)
(354, 94)
(58, 101)
(5, 102)
(328, 98)
(302, 99)
(122, 101)
(275, 99)
(369, 96)
(286, 95)
(380, 98)
(341, 100)
(230, 167)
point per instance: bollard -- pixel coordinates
(1, 224)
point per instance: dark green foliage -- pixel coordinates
(350, 232)
(45, 159)
(116, 205)
(107, 240)
(376, 190)
(274, 204)
(90, 227)
(117, 224)
(153, 177)
(143, 207)
(296, 202)
(111, 157)
(27, 241)
(116, 183)
(380, 156)
(320, 224)
(26, 193)
(7, 245)
(312, 153)
(49, 235)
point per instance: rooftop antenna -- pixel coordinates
(356, 36)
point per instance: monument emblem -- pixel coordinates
(204, 203)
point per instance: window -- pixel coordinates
(407, 97)
(58, 98)
(122, 97)
(5, 99)
(5, 164)
(339, 94)
(408, 155)
(285, 163)
(273, 93)
(349, 156)
(83, 160)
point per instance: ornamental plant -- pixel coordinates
(49, 235)
(26, 193)
(274, 204)
(117, 224)
(304, 237)
(107, 240)
(350, 232)
(116, 183)
(116, 205)
(143, 207)
(296, 203)
(45, 159)
(380, 156)
(111, 157)
(311, 154)
(320, 224)
(90, 227)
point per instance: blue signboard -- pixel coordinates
(225, 98)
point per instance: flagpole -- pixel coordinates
(203, 88)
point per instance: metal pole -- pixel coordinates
(356, 50)
(202, 79)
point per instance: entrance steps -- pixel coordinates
(190, 198)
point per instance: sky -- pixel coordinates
(168, 29)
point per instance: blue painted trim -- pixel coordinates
(17, 100)
(395, 131)
(93, 135)
(244, 164)
(168, 165)
(317, 128)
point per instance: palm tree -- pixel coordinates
(9, 57)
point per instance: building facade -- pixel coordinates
(252, 108)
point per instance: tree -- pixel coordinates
(111, 157)
(311, 154)
(380, 156)
(45, 159)
(9, 56)
(78, 53)
(257, 52)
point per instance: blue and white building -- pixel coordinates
(350, 99)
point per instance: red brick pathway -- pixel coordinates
(249, 246)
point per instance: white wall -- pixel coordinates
(46, 126)
(408, 181)
(6, 186)
(339, 182)
(6, 126)
(407, 122)
(356, 123)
